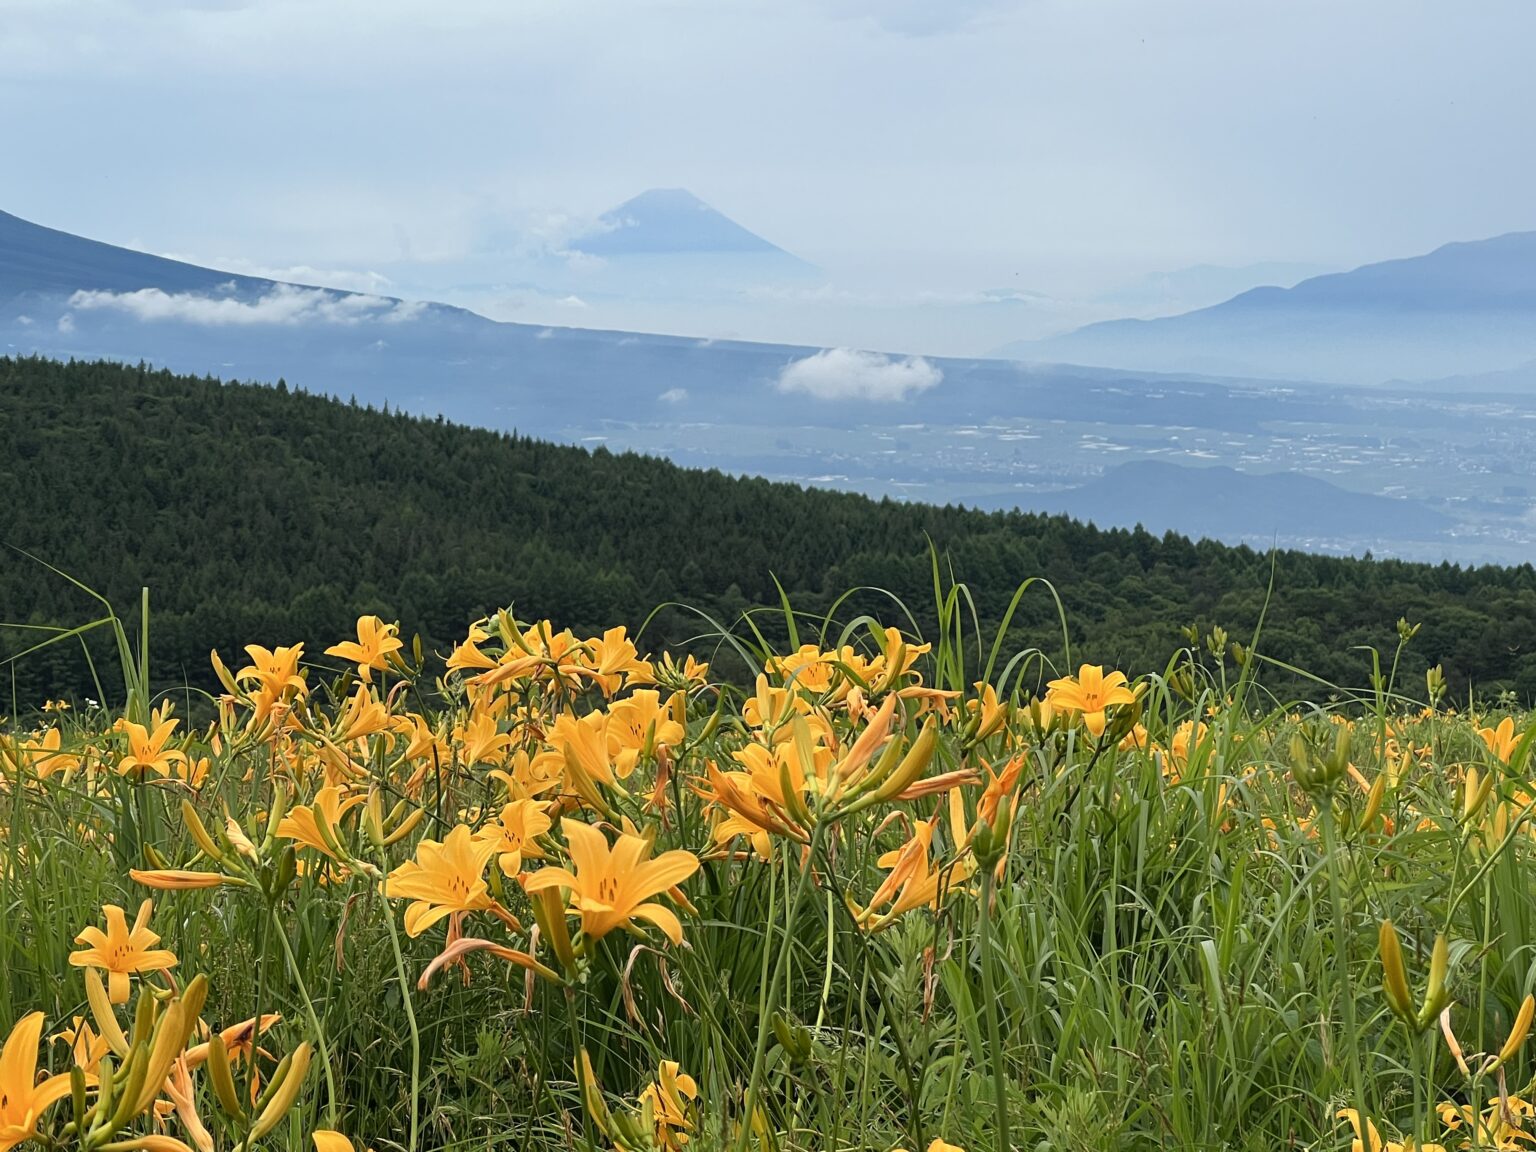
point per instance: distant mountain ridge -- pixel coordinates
(670, 221)
(574, 383)
(39, 261)
(1224, 504)
(1465, 308)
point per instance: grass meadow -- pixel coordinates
(870, 890)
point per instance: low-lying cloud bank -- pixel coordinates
(848, 374)
(285, 304)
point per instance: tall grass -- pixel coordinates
(1178, 947)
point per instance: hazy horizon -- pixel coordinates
(962, 175)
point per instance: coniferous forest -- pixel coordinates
(260, 512)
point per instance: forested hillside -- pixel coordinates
(259, 514)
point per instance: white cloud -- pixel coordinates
(66, 323)
(345, 279)
(572, 301)
(673, 396)
(285, 305)
(24, 321)
(848, 374)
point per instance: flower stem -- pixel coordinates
(314, 1020)
(410, 1019)
(589, 1121)
(989, 997)
(1341, 952)
(771, 1005)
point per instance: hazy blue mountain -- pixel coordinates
(39, 262)
(1202, 285)
(979, 431)
(669, 221)
(1465, 308)
(1519, 379)
(1226, 504)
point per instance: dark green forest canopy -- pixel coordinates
(260, 514)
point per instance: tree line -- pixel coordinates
(264, 514)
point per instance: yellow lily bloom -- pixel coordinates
(481, 740)
(515, 835)
(445, 878)
(1089, 694)
(85, 1047)
(375, 642)
(120, 952)
(912, 881)
(22, 1099)
(1501, 741)
(303, 823)
(671, 1098)
(276, 670)
(612, 886)
(147, 750)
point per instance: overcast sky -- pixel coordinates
(1057, 145)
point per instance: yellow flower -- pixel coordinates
(85, 1047)
(482, 741)
(147, 750)
(318, 825)
(671, 1099)
(1089, 693)
(611, 887)
(584, 744)
(468, 654)
(121, 951)
(444, 879)
(534, 775)
(364, 716)
(912, 882)
(1501, 741)
(611, 658)
(375, 642)
(640, 723)
(1370, 1139)
(328, 1141)
(515, 835)
(275, 670)
(22, 1099)
(42, 756)
(769, 707)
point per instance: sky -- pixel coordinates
(926, 155)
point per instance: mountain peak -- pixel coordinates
(669, 221)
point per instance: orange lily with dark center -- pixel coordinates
(445, 879)
(22, 1099)
(612, 886)
(1089, 694)
(121, 951)
(376, 641)
(147, 750)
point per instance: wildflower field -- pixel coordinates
(871, 891)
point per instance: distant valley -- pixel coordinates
(1427, 471)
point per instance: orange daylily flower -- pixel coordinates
(1089, 694)
(22, 1099)
(612, 886)
(444, 879)
(147, 750)
(121, 951)
(375, 642)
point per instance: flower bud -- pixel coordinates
(1394, 976)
